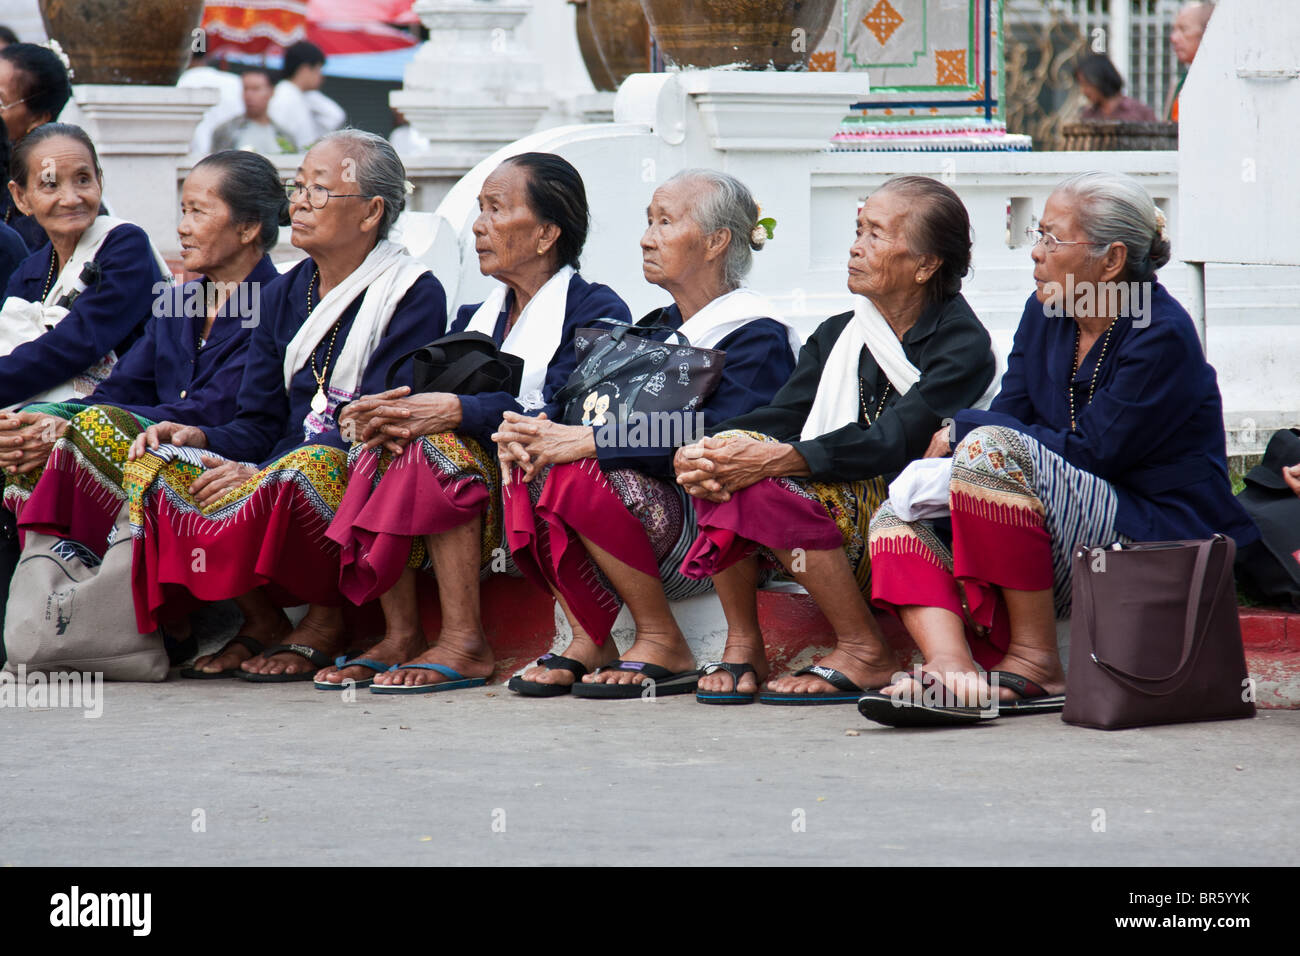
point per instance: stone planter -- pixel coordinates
(600, 77)
(622, 36)
(138, 42)
(752, 34)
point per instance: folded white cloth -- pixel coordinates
(22, 321)
(535, 335)
(725, 314)
(921, 489)
(383, 278)
(837, 402)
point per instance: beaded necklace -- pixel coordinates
(319, 402)
(1074, 369)
(862, 399)
(49, 280)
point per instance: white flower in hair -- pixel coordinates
(758, 236)
(1162, 224)
(408, 187)
(54, 47)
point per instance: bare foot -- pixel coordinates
(740, 649)
(1043, 668)
(467, 654)
(267, 632)
(321, 629)
(865, 667)
(667, 649)
(393, 649)
(963, 685)
(581, 649)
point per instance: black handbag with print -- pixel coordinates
(624, 380)
(463, 363)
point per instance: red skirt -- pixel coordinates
(269, 532)
(437, 483)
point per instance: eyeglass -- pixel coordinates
(317, 195)
(8, 106)
(1050, 242)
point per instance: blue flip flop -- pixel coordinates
(455, 681)
(343, 661)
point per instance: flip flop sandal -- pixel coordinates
(343, 661)
(899, 711)
(552, 662)
(455, 681)
(662, 682)
(318, 658)
(847, 692)
(733, 696)
(1034, 699)
(243, 640)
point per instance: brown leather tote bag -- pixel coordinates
(1155, 637)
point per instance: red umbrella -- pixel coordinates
(254, 26)
(338, 27)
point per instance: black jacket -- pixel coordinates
(948, 344)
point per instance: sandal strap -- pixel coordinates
(652, 671)
(443, 669)
(1020, 685)
(737, 671)
(319, 658)
(250, 644)
(835, 678)
(556, 662)
(342, 662)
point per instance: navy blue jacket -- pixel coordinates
(166, 377)
(108, 316)
(269, 421)
(758, 362)
(12, 252)
(588, 303)
(1154, 428)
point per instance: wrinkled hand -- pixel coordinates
(940, 443)
(394, 418)
(221, 476)
(716, 468)
(1291, 475)
(532, 443)
(26, 439)
(166, 433)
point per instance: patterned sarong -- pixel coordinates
(1018, 510)
(268, 532)
(645, 522)
(437, 483)
(78, 493)
(785, 514)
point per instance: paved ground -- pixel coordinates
(288, 774)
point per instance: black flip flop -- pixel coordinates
(847, 692)
(319, 658)
(895, 710)
(733, 696)
(552, 662)
(662, 682)
(243, 640)
(1034, 699)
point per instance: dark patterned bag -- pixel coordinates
(622, 374)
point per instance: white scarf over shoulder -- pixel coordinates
(22, 321)
(383, 278)
(725, 314)
(535, 335)
(837, 402)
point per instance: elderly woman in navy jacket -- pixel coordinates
(1108, 427)
(425, 487)
(600, 522)
(186, 368)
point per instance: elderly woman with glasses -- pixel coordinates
(596, 518)
(1108, 427)
(239, 510)
(34, 88)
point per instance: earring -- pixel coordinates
(541, 251)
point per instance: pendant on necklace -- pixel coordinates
(318, 402)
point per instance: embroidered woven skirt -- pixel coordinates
(268, 532)
(78, 493)
(437, 483)
(647, 523)
(783, 514)
(1018, 510)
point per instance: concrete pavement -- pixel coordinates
(225, 772)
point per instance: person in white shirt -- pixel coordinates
(230, 104)
(298, 104)
(254, 129)
(406, 139)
